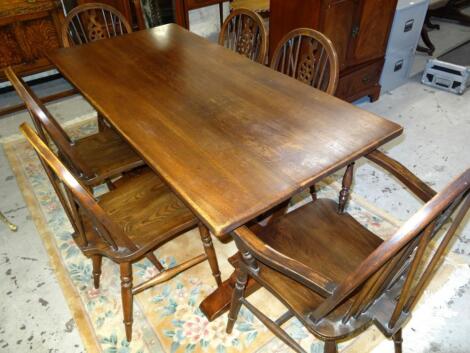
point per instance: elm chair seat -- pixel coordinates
(95, 159)
(106, 154)
(163, 216)
(321, 231)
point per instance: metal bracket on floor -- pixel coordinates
(10, 225)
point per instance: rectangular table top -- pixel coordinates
(231, 137)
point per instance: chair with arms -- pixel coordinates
(336, 276)
(243, 32)
(91, 22)
(125, 224)
(95, 159)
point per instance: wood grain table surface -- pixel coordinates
(231, 137)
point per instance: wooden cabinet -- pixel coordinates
(28, 28)
(359, 29)
(182, 8)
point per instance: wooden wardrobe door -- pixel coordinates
(337, 22)
(371, 30)
(286, 15)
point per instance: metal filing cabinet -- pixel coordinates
(404, 37)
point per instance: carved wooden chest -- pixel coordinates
(28, 29)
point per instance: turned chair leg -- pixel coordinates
(96, 260)
(153, 259)
(127, 298)
(237, 294)
(330, 347)
(398, 341)
(210, 252)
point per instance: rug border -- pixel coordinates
(75, 305)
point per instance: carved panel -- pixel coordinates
(245, 42)
(10, 51)
(27, 30)
(40, 36)
(308, 62)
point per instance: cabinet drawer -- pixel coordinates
(359, 80)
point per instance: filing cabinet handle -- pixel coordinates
(408, 26)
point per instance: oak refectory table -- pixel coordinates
(231, 137)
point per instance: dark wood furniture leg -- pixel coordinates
(210, 252)
(96, 261)
(375, 93)
(398, 341)
(153, 259)
(430, 48)
(221, 13)
(330, 347)
(452, 11)
(127, 298)
(240, 285)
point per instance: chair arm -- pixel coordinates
(417, 186)
(285, 264)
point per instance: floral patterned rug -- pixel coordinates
(167, 317)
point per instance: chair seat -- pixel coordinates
(107, 154)
(316, 235)
(330, 243)
(146, 210)
(319, 237)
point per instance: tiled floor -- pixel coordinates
(33, 312)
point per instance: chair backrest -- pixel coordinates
(47, 127)
(397, 272)
(74, 194)
(403, 265)
(308, 56)
(243, 32)
(91, 22)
